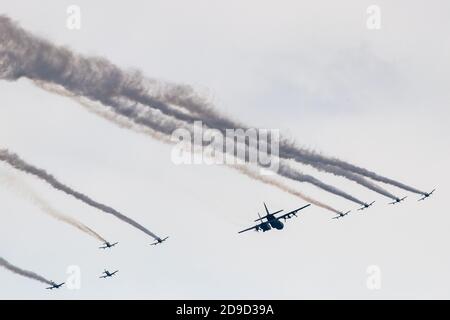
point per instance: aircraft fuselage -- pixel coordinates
(275, 223)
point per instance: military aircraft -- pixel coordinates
(108, 274)
(398, 200)
(366, 205)
(341, 215)
(108, 245)
(426, 195)
(159, 241)
(273, 221)
(55, 286)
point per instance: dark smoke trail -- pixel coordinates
(127, 123)
(246, 170)
(356, 178)
(184, 96)
(27, 192)
(14, 161)
(252, 174)
(289, 150)
(109, 115)
(22, 272)
(168, 125)
(287, 171)
(23, 55)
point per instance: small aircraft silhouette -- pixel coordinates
(159, 241)
(108, 245)
(426, 195)
(108, 274)
(398, 200)
(366, 205)
(55, 285)
(341, 215)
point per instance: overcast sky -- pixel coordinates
(376, 98)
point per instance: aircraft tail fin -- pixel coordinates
(267, 210)
(260, 218)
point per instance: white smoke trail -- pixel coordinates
(25, 191)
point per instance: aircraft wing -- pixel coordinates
(265, 217)
(55, 286)
(293, 212)
(251, 228)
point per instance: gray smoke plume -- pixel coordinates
(185, 96)
(24, 55)
(289, 172)
(16, 162)
(22, 272)
(356, 178)
(99, 110)
(289, 150)
(22, 189)
(270, 181)
(246, 170)
(165, 126)
(286, 170)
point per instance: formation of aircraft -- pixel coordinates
(108, 245)
(55, 286)
(159, 241)
(272, 221)
(107, 274)
(426, 195)
(341, 215)
(266, 223)
(398, 200)
(366, 205)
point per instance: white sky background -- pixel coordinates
(377, 98)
